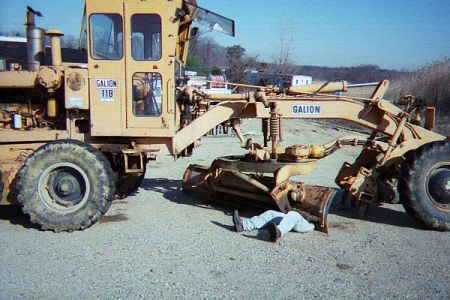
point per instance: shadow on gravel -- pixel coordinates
(381, 215)
(14, 214)
(375, 214)
(262, 234)
(171, 190)
(226, 226)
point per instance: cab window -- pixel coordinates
(106, 36)
(146, 37)
(147, 94)
(179, 73)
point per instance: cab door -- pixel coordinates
(106, 66)
(147, 78)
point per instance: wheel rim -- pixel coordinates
(64, 187)
(438, 185)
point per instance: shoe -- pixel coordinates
(274, 232)
(238, 226)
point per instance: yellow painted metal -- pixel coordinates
(159, 66)
(326, 87)
(383, 119)
(9, 170)
(205, 123)
(50, 77)
(55, 40)
(380, 90)
(317, 151)
(114, 116)
(76, 91)
(286, 172)
(167, 122)
(18, 79)
(298, 151)
(52, 107)
(238, 181)
(106, 117)
(225, 181)
(36, 135)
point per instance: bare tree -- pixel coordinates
(207, 56)
(282, 59)
(14, 33)
(69, 41)
(205, 53)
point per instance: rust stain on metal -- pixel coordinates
(236, 181)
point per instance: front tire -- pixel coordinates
(424, 185)
(66, 185)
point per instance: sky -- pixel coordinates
(393, 34)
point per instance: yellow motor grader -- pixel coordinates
(73, 136)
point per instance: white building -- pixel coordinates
(254, 77)
(301, 80)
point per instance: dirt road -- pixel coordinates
(160, 243)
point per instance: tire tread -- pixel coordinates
(410, 173)
(55, 149)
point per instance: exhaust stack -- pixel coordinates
(55, 40)
(35, 42)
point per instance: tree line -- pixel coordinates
(67, 41)
(431, 82)
(206, 56)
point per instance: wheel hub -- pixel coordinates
(64, 187)
(439, 186)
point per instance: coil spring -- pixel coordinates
(274, 125)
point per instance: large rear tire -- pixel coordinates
(424, 185)
(66, 185)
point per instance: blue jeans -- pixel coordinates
(285, 222)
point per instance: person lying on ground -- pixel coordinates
(276, 222)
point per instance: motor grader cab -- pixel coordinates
(74, 136)
(82, 133)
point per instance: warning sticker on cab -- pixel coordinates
(107, 89)
(306, 109)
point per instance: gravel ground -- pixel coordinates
(160, 243)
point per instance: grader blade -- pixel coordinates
(235, 188)
(311, 201)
